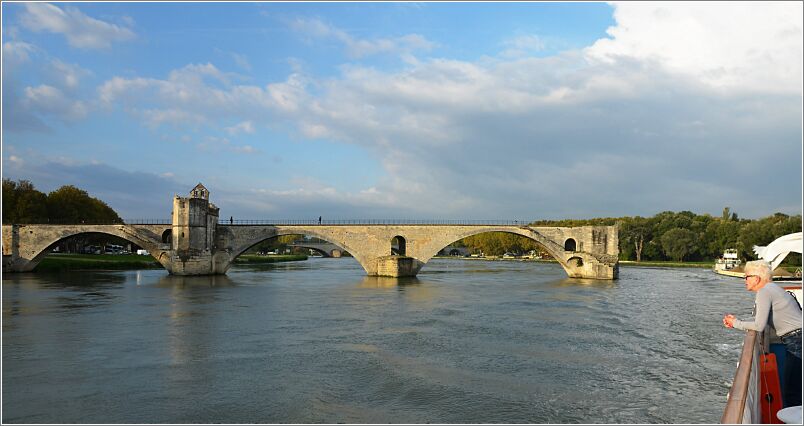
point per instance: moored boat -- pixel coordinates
(730, 260)
(779, 274)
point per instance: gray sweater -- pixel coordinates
(775, 305)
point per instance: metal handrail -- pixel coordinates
(741, 386)
(98, 222)
(437, 222)
(422, 222)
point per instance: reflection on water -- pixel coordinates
(182, 282)
(318, 341)
(584, 282)
(388, 282)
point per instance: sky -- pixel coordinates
(476, 111)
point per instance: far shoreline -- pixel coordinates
(666, 264)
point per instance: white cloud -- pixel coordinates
(242, 127)
(204, 91)
(80, 30)
(67, 75)
(157, 117)
(613, 130)
(17, 161)
(16, 52)
(50, 100)
(734, 45)
(358, 48)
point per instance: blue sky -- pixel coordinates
(409, 110)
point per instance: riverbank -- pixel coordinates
(666, 264)
(627, 263)
(71, 261)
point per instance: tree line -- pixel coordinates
(676, 236)
(23, 203)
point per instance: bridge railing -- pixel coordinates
(99, 222)
(438, 222)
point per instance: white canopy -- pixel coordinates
(776, 251)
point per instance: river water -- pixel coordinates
(319, 342)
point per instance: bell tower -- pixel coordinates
(194, 223)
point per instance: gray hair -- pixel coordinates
(761, 268)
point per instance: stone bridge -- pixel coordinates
(196, 244)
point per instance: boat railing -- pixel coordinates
(743, 402)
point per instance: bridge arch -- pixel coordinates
(576, 261)
(327, 249)
(45, 243)
(268, 232)
(552, 248)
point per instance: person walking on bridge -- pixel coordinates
(781, 308)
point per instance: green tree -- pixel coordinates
(678, 243)
(720, 234)
(633, 235)
(69, 204)
(22, 203)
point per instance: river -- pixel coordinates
(319, 342)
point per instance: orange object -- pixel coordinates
(770, 391)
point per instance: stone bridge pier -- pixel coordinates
(196, 244)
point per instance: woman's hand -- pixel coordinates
(728, 320)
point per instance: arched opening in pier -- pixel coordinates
(570, 245)
(398, 246)
(167, 236)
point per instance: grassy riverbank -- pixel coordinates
(71, 262)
